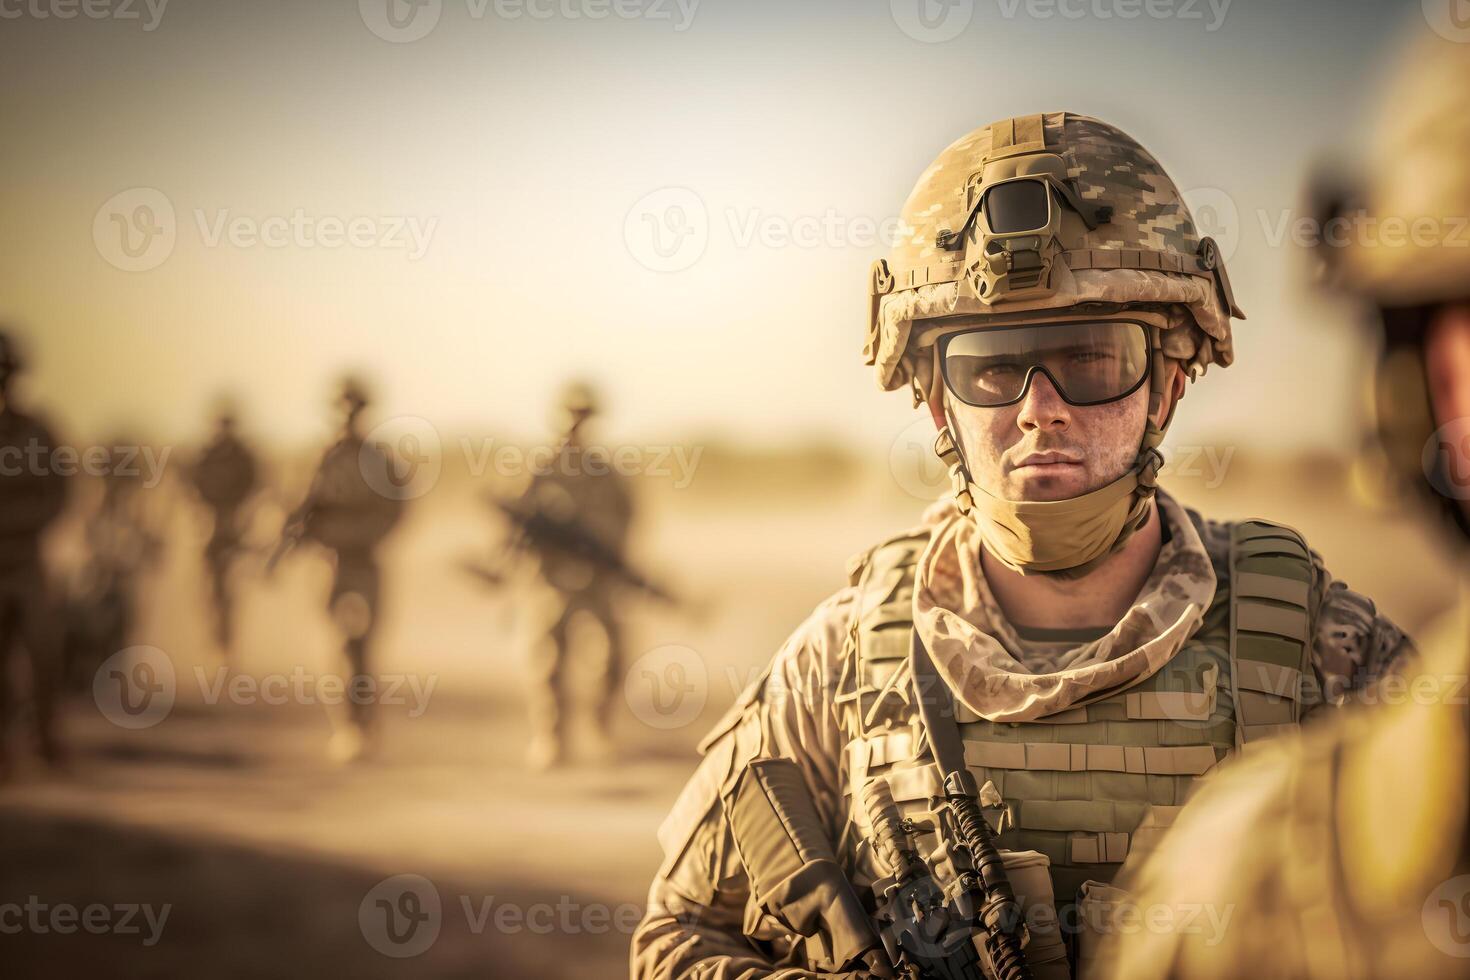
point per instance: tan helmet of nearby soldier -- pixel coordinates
(1400, 241)
(1038, 218)
(11, 363)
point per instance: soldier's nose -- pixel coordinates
(1042, 407)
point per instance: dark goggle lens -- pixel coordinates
(1018, 206)
(1088, 363)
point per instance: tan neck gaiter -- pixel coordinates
(1051, 535)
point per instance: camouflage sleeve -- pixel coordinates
(696, 922)
(1352, 645)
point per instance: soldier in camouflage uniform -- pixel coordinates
(225, 478)
(349, 510)
(1345, 853)
(32, 494)
(1102, 645)
(578, 488)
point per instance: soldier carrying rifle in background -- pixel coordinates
(349, 511)
(573, 519)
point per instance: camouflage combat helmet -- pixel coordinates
(1111, 231)
(1400, 242)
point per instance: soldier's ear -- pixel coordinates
(936, 406)
(1174, 384)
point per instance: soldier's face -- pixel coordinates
(1042, 448)
(1447, 364)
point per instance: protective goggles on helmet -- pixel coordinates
(1088, 362)
(1015, 230)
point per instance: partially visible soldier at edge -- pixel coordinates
(349, 510)
(1346, 852)
(225, 477)
(579, 489)
(1103, 645)
(32, 495)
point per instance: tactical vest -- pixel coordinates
(1090, 785)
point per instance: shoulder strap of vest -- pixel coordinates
(883, 619)
(1270, 627)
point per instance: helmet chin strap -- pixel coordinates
(1066, 538)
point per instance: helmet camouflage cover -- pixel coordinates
(977, 237)
(1413, 248)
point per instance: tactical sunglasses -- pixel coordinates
(1088, 362)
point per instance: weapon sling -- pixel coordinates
(1000, 915)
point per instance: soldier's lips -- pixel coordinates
(1047, 463)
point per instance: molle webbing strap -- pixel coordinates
(1152, 760)
(1156, 260)
(882, 622)
(885, 280)
(1270, 627)
(937, 709)
(1012, 137)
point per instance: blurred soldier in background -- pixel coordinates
(32, 493)
(123, 542)
(577, 491)
(225, 477)
(349, 509)
(1346, 853)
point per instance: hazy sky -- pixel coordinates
(490, 174)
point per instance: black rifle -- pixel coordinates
(538, 531)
